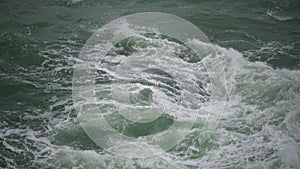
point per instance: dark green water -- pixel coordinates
(260, 128)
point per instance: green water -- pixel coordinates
(258, 42)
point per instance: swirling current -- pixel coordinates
(251, 68)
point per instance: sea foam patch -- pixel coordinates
(143, 83)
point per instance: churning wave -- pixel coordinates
(258, 127)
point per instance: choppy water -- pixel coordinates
(258, 43)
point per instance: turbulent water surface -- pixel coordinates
(256, 45)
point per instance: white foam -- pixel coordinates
(260, 125)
